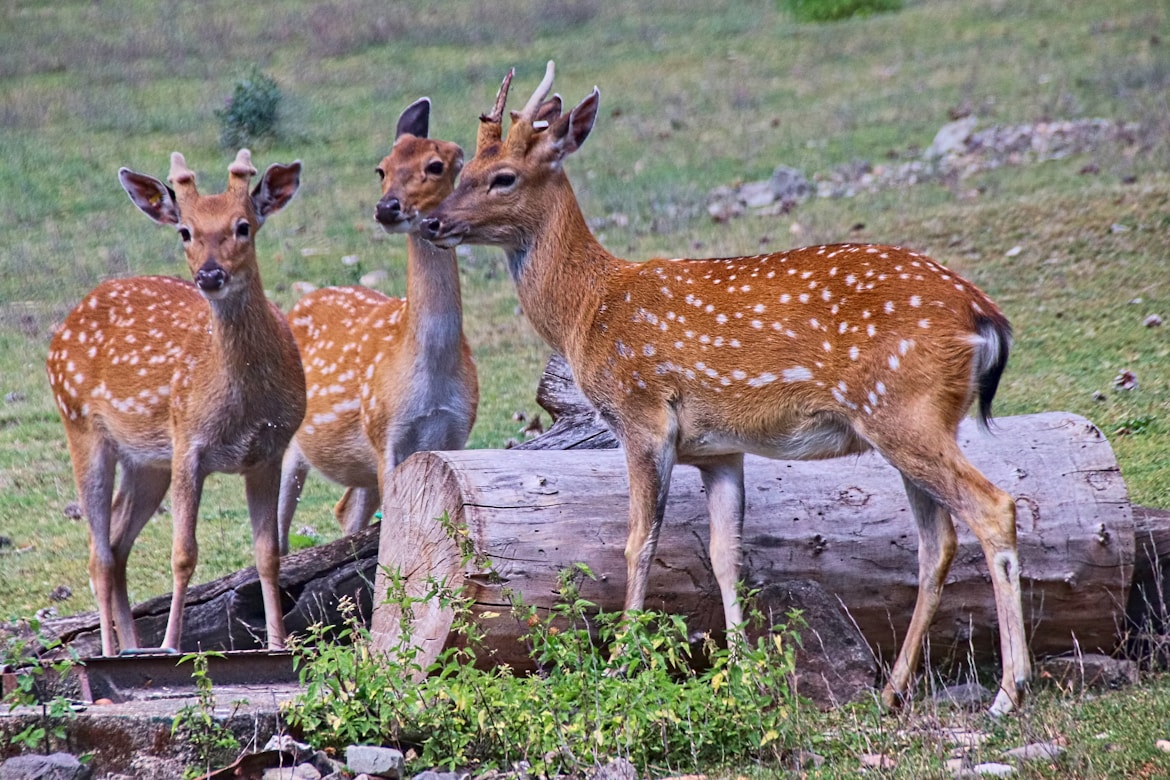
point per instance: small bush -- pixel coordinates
(252, 113)
(607, 687)
(834, 10)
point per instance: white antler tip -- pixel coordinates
(180, 173)
(243, 164)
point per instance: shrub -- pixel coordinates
(834, 10)
(252, 113)
(607, 687)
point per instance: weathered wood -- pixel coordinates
(228, 613)
(842, 523)
(1148, 612)
(576, 425)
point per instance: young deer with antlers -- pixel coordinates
(806, 354)
(171, 380)
(386, 376)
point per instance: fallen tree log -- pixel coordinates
(842, 523)
(228, 613)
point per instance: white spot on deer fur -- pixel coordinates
(739, 375)
(873, 399)
(765, 378)
(976, 308)
(894, 362)
(758, 308)
(827, 346)
(704, 339)
(870, 330)
(915, 301)
(804, 297)
(904, 346)
(757, 325)
(648, 350)
(924, 324)
(678, 345)
(710, 308)
(889, 307)
(837, 395)
(785, 298)
(854, 352)
(721, 318)
(796, 374)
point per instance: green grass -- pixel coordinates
(694, 95)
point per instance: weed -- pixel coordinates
(606, 687)
(835, 10)
(211, 742)
(30, 688)
(252, 113)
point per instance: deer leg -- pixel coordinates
(139, 495)
(94, 471)
(937, 543)
(186, 491)
(262, 485)
(293, 471)
(938, 467)
(356, 507)
(649, 475)
(723, 482)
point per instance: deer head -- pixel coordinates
(216, 230)
(417, 174)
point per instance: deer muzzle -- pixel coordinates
(211, 279)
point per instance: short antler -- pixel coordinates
(490, 125)
(240, 173)
(181, 177)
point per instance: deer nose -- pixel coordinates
(388, 211)
(429, 228)
(211, 277)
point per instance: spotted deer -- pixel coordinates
(386, 376)
(169, 381)
(806, 354)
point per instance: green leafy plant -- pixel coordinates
(835, 10)
(210, 741)
(252, 113)
(30, 684)
(606, 686)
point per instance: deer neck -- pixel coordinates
(560, 271)
(434, 305)
(245, 334)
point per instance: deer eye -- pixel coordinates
(185, 234)
(435, 168)
(502, 181)
(243, 230)
(381, 174)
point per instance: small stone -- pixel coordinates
(1163, 745)
(56, 766)
(992, 769)
(617, 769)
(1098, 396)
(1014, 251)
(877, 761)
(373, 760)
(971, 696)
(756, 194)
(1117, 227)
(350, 260)
(1125, 380)
(374, 278)
(13, 398)
(61, 593)
(951, 138)
(1092, 671)
(303, 288)
(1035, 751)
(1152, 321)
(789, 184)
(431, 774)
(73, 511)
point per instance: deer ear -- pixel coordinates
(153, 198)
(550, 110)
(276, 189)
(566, 133)
(415, 119)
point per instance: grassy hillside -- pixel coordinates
(694, 95)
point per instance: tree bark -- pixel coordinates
(842, 523)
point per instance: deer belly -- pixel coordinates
(817, 438)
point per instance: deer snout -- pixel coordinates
(211, 278)
(388, 211)
(440, 234)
